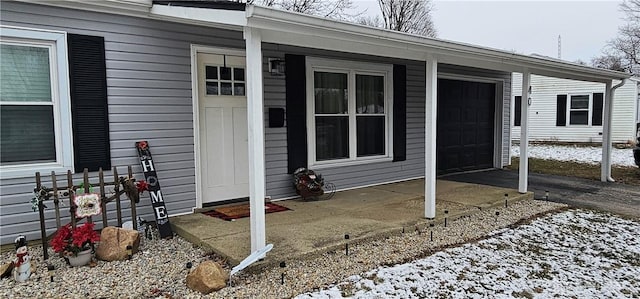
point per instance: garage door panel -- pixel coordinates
(465, 125)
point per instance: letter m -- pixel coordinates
(156, 196)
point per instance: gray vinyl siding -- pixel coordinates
(149, 95)
(280, 184)
(505, 115)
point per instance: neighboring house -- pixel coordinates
(207, 86)
(565, 110)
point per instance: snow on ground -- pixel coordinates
(575, 253)
(590, 154)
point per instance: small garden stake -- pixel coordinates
(497, 214)
(446, 212)
(50, 269)
(506, 197)
(282, 265)
(431, 225)
(346, 245)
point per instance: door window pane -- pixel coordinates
(212, 88)
(330, 93)
(371, 135)
(369, 94)
(332, 137)
(24, 74)
(27, 134)
(225, 88)
(212, 72)
(238, 74)
(238, 89)
(225, 73)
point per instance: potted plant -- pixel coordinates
(76, 244)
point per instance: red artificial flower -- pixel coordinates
(142, 186)
(75, 240)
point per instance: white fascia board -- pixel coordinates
(230, 19)
(322, 28)
(122, 7)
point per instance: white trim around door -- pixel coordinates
(195, 50)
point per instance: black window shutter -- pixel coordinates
(399, 112)
(598, 102)
(561, 112)
(295, 88)
(90, 119)
(517, 119)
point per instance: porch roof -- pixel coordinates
(290, 28)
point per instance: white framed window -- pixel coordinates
(585, 109)
(579, 107)
(349, 112)
(35, 111)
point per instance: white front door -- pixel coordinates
(223, 127)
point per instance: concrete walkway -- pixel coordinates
(313, 227)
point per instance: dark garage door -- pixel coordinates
(465, 125)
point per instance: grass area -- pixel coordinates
(625, 175)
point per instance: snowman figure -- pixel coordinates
(22, 264)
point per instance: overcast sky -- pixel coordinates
(527, 26)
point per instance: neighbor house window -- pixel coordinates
(349, 106)
(35, 132)
(517, 118)
(580, 109)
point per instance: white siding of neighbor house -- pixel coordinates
(542, 112)
(149, 95)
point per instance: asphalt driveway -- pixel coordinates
(612, 197)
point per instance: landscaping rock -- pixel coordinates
(207, 277)
(114, 242)
(5, 270)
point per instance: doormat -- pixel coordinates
(242, 211)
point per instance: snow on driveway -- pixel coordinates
(575, 253)
(589, 154)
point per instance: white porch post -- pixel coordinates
(431, 112)
(524, 133)
(255, 120)
(605, 165)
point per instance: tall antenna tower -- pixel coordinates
(559, 47)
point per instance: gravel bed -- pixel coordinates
(159, 269)
(573, 254)
(582, 154)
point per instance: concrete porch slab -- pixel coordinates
(319, 226)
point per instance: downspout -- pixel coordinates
(607, 168)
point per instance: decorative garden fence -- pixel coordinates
(57, 194)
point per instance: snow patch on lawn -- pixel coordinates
(571, 254)
(590, 155)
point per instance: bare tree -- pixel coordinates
(411, 16)
(623, 52)
(335, 9)
(609, 61)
